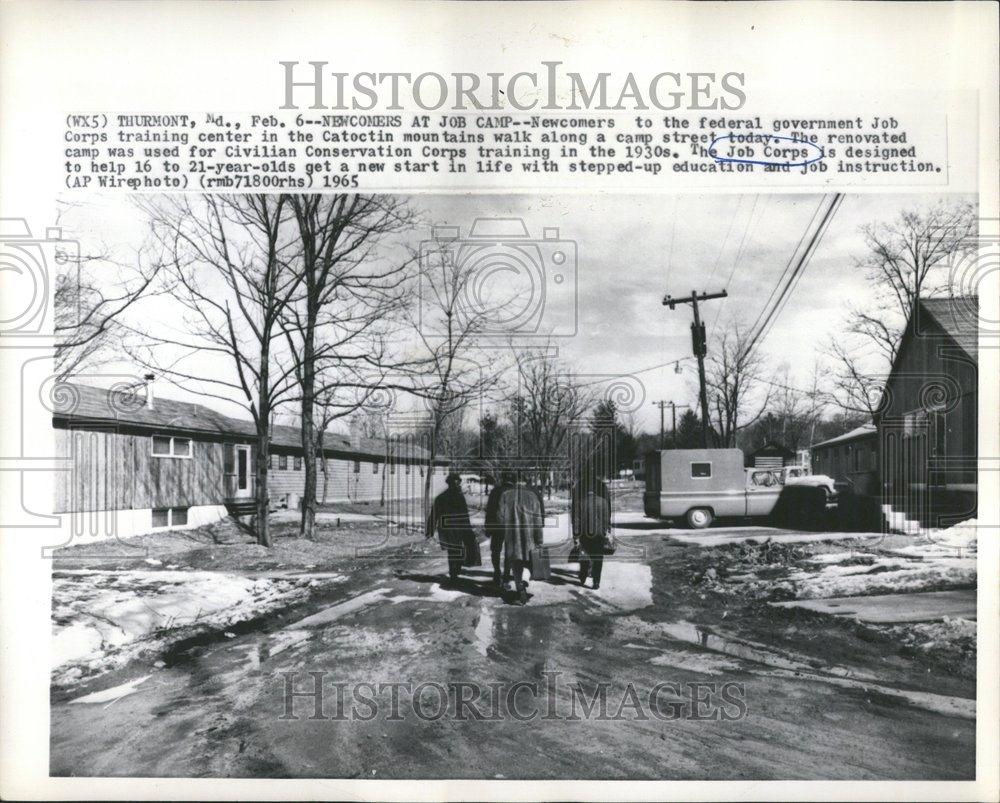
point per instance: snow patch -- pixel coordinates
(103, 620)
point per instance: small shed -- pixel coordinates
(852, 457)
(771, 455)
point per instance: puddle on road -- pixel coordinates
(704, 663)
(692, 634)
(807, 669)
(286, 639)
(484, 630)
(341, 609)
(437, 594)
(112, 694)
(365, 642)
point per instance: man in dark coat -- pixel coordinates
(519, 512)
(493, 527)
(590, 515)
(591, 518)
(449, 517)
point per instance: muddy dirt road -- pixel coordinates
(738, 693)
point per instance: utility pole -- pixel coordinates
(700, 347)
(673, 420)
(673, 415)
(661, 405)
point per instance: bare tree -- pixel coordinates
(497, 444)
(548, 401)
(450, 369)
(225, 260)
(905, 259)
(93, 291)
(736, 383)
(793, 415)
(338, 328)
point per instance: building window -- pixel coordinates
(357, 466)
(270, 461)
(282, 462)
(297, 463)
(701, 470)
(167, 446)
(407, 468)
(170, 517)
(374, 467)
(421, 470)
(392, 468)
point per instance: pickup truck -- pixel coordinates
(701, 485)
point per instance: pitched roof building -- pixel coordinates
(928, 419)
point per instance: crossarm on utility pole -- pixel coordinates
(699, 346)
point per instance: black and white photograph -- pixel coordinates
(504, 401)
(517, 487)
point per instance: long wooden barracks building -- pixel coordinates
(152, 463)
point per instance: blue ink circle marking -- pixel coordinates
(765, 139)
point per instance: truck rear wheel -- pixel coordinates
(698, 518)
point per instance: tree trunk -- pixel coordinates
(326, 470)
(260, 487)
(429, 476)
(263, 421)
(308, 524)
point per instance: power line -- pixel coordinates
(673, 229)
(725, 240)
(800, 266)
(788, 265)
(736, 260)
(641, 370)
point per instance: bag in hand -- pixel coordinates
(473, 557)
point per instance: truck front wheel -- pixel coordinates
(698, 518)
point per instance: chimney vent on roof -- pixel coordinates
(149, 378)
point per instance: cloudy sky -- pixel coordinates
(631, 251)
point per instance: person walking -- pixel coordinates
(520, 518)
(591, 520)
(449, 518)
(494, 529)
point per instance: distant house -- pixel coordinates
(851, 457)
(927, 422)
(771, 455)
(152, 463)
